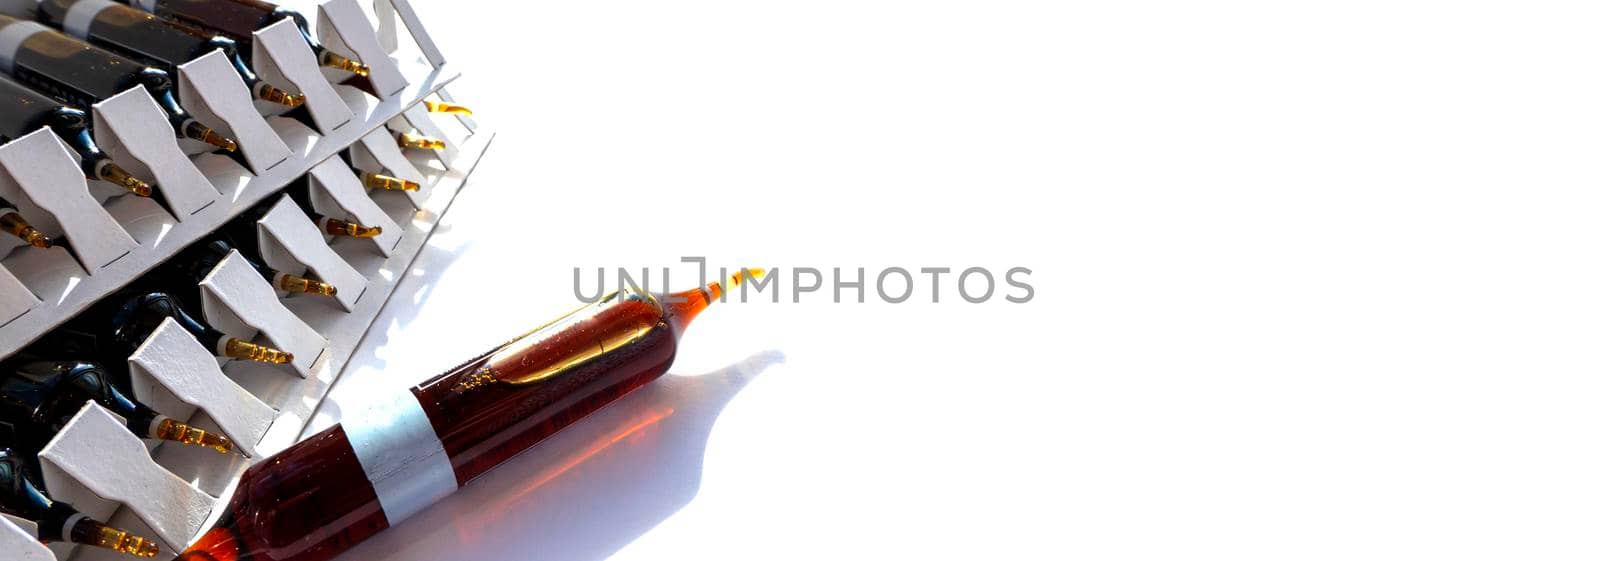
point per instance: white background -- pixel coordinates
(1314, 280)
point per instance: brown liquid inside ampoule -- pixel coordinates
(313, 501)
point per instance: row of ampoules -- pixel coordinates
(76, 53)
(86, 360)
(12, 221)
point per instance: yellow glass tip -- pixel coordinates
(121, 541)
(280, 97)
(447, 108)
(207, 135)
(19, 227)
(388, 182)
(37, 239)
(715, 289)
(181, 433)
(115, 174)
(742, 275)
(236, 348)
(332, 60)
(296, 283)
(420, 142)
(337, 227)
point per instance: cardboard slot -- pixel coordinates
(95, 459)
(15, 298)
(345, 29)
(378, 152)
(291, 242)
(332, 183)
(282, 58)
(215, 95)
(134, 131)
(417, 119)
(174, 374)
(236, 300)
(40, 166)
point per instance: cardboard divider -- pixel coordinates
(359, 101)
(416, 118)
(336, 184)
(283, 59)
(52, 274)
(40, 166)
(236, 300)
(95, 459)
(291, 242)
(214, 94)
(378, 152)
(174, 374)
(387, 9)
(344, 28)
(21, 545)
(15, 298)
(134, 131)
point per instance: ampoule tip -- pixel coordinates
(337, 227)
(174, 431)
(388, 182)
(420, 142)
(19, 227)
(332, 60)
(210, 136)
(239, 349)
(115, 174)
(272, 94)
(121, 541)
(447, 108)
(297, 283)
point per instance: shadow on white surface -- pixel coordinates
(588, 490)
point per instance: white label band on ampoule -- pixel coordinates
(66, 527)
(11, 38)
(81, 15)
(401, 456)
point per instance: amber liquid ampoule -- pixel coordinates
(23, 110)
(239, 19)
(154, 40)
(41, 396)
(134, 318)
(347, 483)
(192, 265)
(83, 75)
(58, 521)
(13, 223)
(299, 191)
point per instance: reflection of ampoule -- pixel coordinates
(56, 520)
(449, 430)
